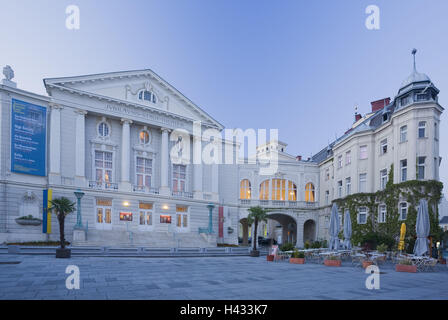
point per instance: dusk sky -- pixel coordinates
(298, 66)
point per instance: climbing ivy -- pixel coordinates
(410, 192)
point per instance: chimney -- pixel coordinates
(299, 158)
(357, 116)
(379, 104)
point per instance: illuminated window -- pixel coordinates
(165, 219)
(145, 211)
(309, 192)
(181, 216)
(292, 191)
(143, 137)
(103, 211)
(245, 189)
(278, 189)
(146, 95)
(264, 190)
(125, 216)
(103, 166)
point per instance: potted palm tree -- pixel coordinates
(256, 215)
(62, 207)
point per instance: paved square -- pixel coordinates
(43, 277)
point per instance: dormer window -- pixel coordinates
(385, 117)
(422, 97)
(146, 95)
(405, 100)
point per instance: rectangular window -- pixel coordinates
(339, 162)
(125, 216)
(436, 166)
(143, 168)
(362, 215)
(405, 100)
(404, 134)
(104, 211)
(421, 129)
(348, 158)
(363, 152)
(421, 168)
(403, 211)
(348, 186)
(383, 179)
(382, 211)
(145, 211)
(103, 166)
(363, 182)
(436, 131)
(383, 147)
(179, 177)
(340, 189)
(327, 174)
(278, 189)
(404, 170)
(181, 216)
(327, 197)
(165, 219)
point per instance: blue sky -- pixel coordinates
(299, 66)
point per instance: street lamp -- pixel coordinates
(79, 194)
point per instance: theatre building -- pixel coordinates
(127, 145)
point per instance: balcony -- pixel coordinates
(182, 194)
(103, 185)
(277, 203)
(145, 189)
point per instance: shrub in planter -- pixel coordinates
(332, 261)
(405, 266)
(287, 247)
(297, 257)
(270, 257)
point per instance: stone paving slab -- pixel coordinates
(207, 278)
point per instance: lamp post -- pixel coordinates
(79, 194)
(210, 207)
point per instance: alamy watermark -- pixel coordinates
(72, 21)
(373, 18)
(73, 280)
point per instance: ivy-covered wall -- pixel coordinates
(410, 192)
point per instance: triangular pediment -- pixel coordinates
(131, 87)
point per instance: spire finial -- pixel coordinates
(414, 51)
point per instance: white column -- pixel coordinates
(164, 163)
(54, 175)
(125, 182)
(80, 150)
(197, 167)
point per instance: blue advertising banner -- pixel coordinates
(28, 138)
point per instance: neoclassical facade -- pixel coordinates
(133, 147)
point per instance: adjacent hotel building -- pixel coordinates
(128, 143)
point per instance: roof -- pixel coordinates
(444, 220)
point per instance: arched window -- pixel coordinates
(309, 192)
(103, 129)
(146, 95)
(292, 191)
(245, 190)
(143, 136)
(278, 189)
(264, 190)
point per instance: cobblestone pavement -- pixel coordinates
(44, 277)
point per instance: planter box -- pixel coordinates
(405, 268)
(332, 263)
(270, 257)
(29, 222)
(365, 264)
(297, 260)
(63, 253)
